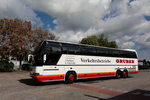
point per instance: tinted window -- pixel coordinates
(37, 49)
(92, 50)
(70, 48)
(115, 53)
(101, 52)
(83, 50)
(126, 54)
(53, 48)
(42, 48)
(58, 48)
(132, 55)
(38, 60)
(87, 50)
(52, 59)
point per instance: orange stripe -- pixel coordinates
(133, 72)
(80, 75)
(49, 77)
(84, 75)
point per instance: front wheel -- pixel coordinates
(70, 77)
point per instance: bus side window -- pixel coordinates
(83, 50)
(132, 55)
(100, 51)
(70, 49)
(53, 48)
(91, 51)
(52, 59)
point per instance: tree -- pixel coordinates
(42, 34)
(90, 40)
(103, 41)
(99, 41)
(144, 62)
(18, 38)
(113, 44)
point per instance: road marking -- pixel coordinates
(133, 95)
(98, 90)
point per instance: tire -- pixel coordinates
(118, 74)
(70, 77)
(125, 74)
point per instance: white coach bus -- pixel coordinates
(70, 62)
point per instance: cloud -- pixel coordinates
(111, 17)
(17, 9)
(120, 20)
(73, 14)
(143, 41)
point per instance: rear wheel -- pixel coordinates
(70, 77)
(118, 74)
(125, 74)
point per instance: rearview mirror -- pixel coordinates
(30, 58)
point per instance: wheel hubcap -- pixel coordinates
(124, 74)
(71, 77)
(118, 75)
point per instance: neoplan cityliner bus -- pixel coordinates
(69, 62)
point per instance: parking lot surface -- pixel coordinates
(19, 86)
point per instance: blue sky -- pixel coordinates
(147, 18)
(125, 21)
(46, 19)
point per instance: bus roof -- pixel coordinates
(90, 45)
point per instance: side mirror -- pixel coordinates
(30, 58)
(44, 58)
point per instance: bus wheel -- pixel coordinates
(125, 74)
(118, 74)
(70, 77)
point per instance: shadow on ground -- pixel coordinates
(32, 82)
(133, 95)
(97, 80)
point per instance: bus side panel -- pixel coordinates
(51, 72)
(95, 66)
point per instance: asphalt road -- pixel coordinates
(19, 86)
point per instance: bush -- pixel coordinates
(6, 66)
(141, 67)
(26, 67)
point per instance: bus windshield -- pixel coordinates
(51, 50)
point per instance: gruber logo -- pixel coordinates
(124, 61)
